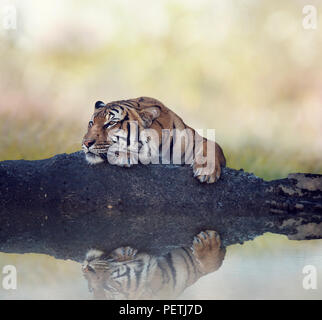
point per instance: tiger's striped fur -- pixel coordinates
(126, 274)
(158, 131)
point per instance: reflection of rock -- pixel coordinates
(126, 274)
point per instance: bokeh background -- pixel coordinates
(247, 68)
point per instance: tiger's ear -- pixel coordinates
(148, 115)
(99, 104)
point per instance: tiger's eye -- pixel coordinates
(90, 124)
(109, 124)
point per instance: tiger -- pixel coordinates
(127, 132)
(125, 274)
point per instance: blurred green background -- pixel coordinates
(246, 68)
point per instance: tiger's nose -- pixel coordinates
(89, 143)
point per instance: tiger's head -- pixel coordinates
(106, 123)
(105, 276)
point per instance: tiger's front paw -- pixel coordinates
(207, 250)
(206, 174)
(119, 158)
(123, 254)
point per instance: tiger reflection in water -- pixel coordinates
(126, 274)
